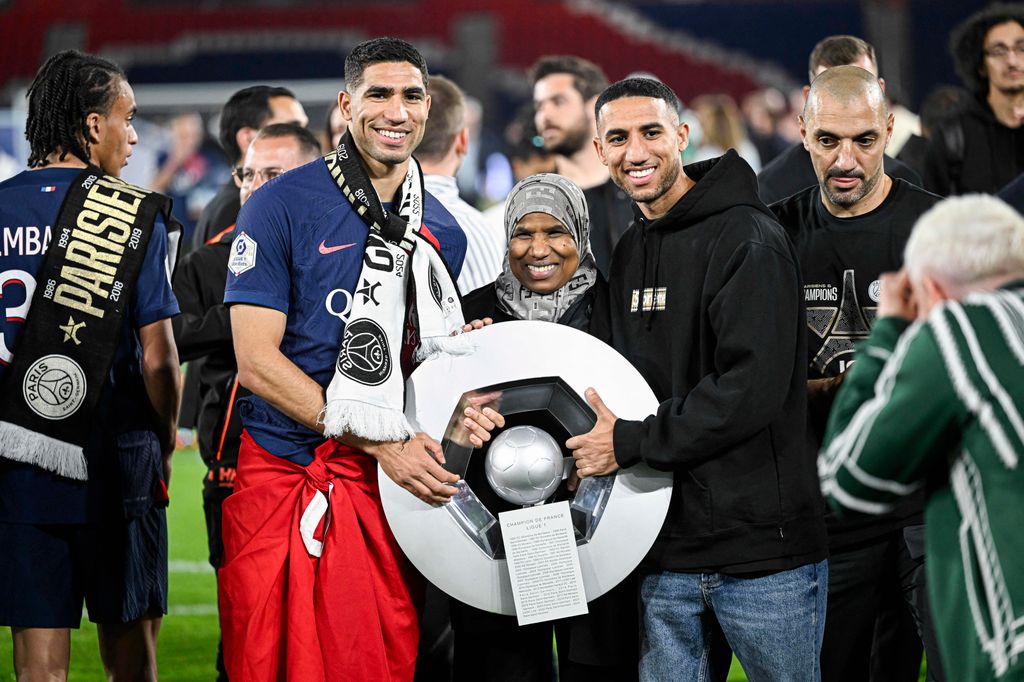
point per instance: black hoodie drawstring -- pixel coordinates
(654, 287)
(643, 269)
(646, 313)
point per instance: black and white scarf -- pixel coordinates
(49, 395)
(366, 397)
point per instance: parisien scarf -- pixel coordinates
(562, 199)
(366, 397)
(49, 395)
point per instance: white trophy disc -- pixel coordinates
(449, 543)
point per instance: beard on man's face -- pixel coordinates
(849, 197)
(573, 141)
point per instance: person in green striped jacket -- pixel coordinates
(936, 399)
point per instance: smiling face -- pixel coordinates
(640, 140)
(542, 253)
(112, 135)
(386, 113)
(846, 139)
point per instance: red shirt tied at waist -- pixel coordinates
(287, 613)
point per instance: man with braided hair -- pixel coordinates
(89, 374)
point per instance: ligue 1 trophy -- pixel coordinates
(535, 374)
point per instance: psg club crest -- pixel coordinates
(54, 387)
(364, 355)
(458, 546)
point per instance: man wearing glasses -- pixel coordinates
(203, 330)
(982, 149)
(245, 113)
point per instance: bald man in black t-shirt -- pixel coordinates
(848, 229)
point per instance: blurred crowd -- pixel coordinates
(178, 154)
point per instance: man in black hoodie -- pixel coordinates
(982, 149)
(704, 300)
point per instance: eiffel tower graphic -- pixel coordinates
(841, 327)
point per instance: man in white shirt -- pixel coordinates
(445, 142)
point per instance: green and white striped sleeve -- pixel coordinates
(895, 408)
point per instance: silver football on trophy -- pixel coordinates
(524, 465)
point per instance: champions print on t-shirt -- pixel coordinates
(839, 325)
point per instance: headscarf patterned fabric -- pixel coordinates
(562, 199)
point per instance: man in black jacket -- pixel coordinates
(848, 230)
(791, 171)
(243, 115)
(982, 149)
(203, 330)
(704, 300)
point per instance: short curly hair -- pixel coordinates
(967, 42)
(637, 86)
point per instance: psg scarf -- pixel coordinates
(366, 397)
(64, 353)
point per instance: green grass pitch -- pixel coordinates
(188, 637)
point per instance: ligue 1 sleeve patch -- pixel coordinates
(243, 254)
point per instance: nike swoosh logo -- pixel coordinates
(324, 249)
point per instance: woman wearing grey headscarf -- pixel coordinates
(549, 274)
(549, 271)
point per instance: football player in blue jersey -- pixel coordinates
(90, 384)
(325, 328)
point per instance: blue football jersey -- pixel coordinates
(298, 248)
(29, 204)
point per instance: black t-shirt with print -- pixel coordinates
(841, 260)
(840, 263)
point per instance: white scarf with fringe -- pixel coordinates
(366, 397)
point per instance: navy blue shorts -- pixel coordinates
(118, 568)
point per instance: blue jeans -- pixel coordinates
(689, 622)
